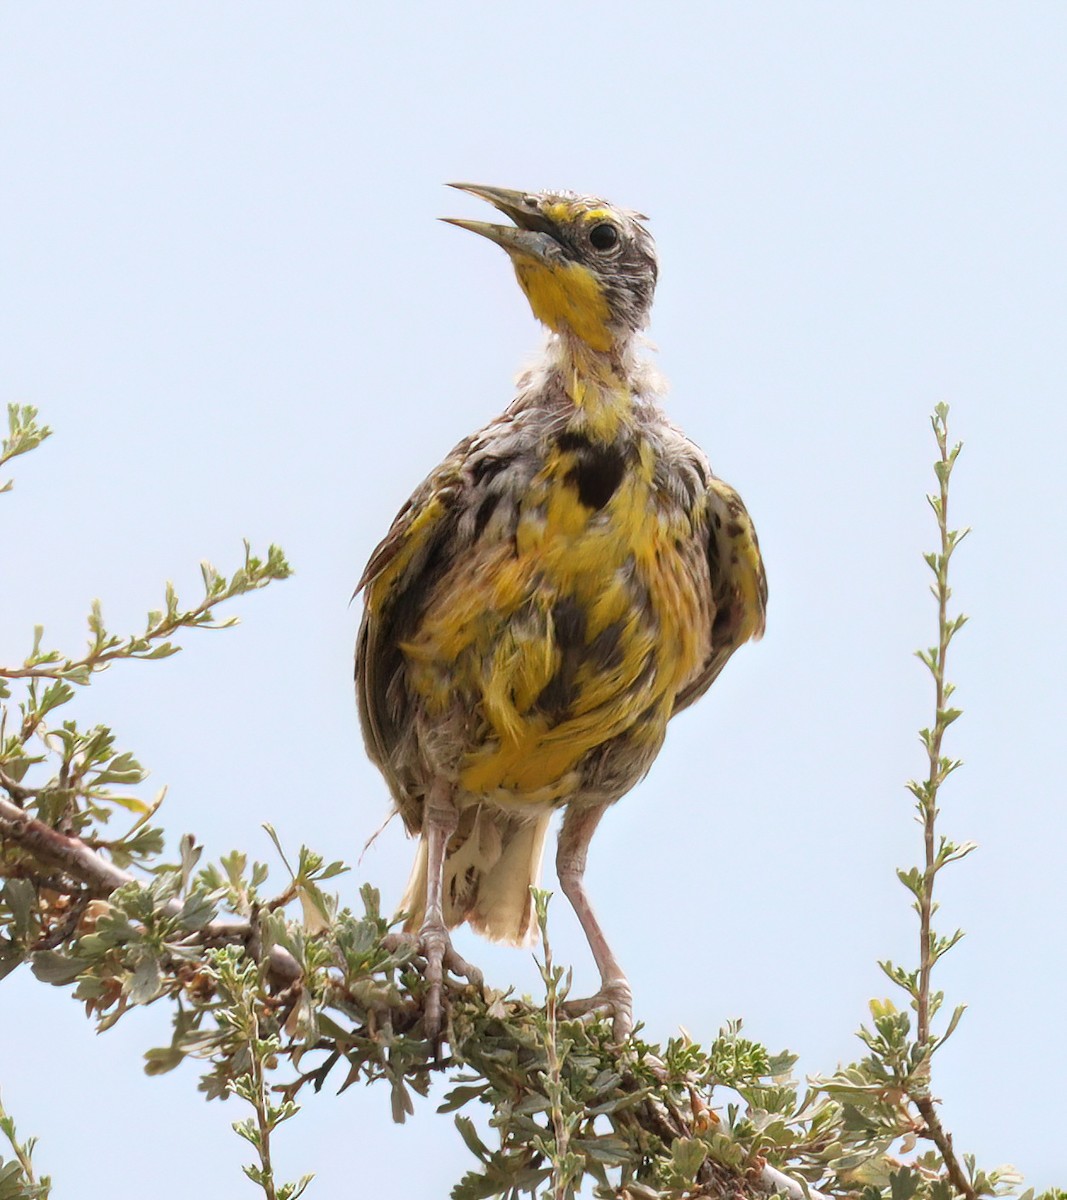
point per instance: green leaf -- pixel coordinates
(146, 981)
(954, 1020)
(50, 966)
(278, 846)
(688, 1156)
(913, 879)
(611, 1151)
(471, 1139)
(462, 1095)
(400, 1102)
(161, 1059)
(197, 911)
(20, 898)
(904, 1184)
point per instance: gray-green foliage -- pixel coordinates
(276, 988)
(18, 1181)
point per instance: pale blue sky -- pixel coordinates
(222, 282)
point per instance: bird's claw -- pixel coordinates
(615, 999)
(434, 946)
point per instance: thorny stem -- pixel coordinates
(100, 878)
(263, 1121)
(933, 745)
(22, 1153)
(561, 1188)
(106, 648)
(24, 1161)
(97, 659)
(559, 1127)
(943, 1141)
(939, 768)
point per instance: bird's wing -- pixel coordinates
(398, 575)
(452, 509)
(738, 586)
(414, 525)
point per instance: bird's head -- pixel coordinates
(587, 267)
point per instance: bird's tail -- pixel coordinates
(493, 860)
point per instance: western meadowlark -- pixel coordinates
(569, 578)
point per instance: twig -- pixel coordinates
(15, 790)
(937, 1133)
(933, 744)
(57, 850)
(100, 878)
(64, 928)
(560, 1134)
(263, 1121)
(939, 769)
(98, 658)
(33, 1188)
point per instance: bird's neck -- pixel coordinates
(599, 384)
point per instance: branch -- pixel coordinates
(24, 434)
(100, 878)
(55, 849)
(105, 648)
(28, 1187)
(930, 946)
(14, 789)
(258, 994)
(357, 1002)
(943, 1141)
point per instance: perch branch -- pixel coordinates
(100, 878)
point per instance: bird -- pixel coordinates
(569, 578)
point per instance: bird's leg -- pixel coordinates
(614, 996)
(440, 819)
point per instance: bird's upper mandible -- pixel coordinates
(587, 267)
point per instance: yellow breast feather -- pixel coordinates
(492, 629)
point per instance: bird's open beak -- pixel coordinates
(531, 235)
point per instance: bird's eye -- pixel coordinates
(604, 236)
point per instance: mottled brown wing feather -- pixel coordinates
(397, 578)
(738, 587)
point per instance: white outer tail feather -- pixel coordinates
(487, 879)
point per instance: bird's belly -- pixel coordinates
(555, 655)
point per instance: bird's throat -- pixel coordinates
(568, 298)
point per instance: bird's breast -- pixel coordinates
(571, 623)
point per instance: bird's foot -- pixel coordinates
(614, 998)
(434, 947)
